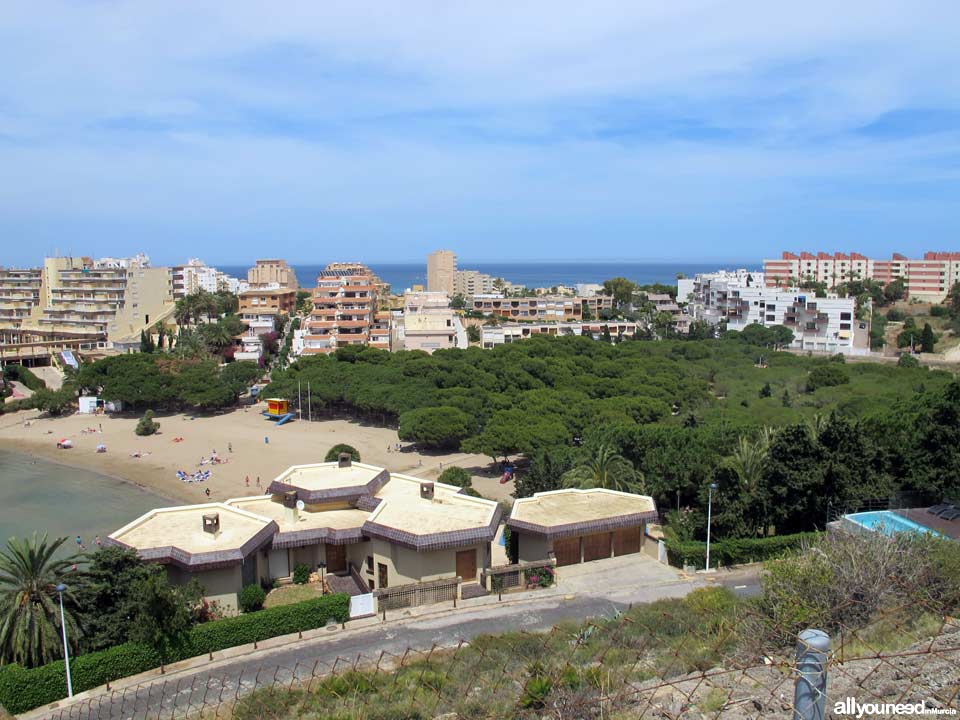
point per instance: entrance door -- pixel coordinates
(567, 551)
(467, 565)
(336, 558)
(596, 546)
(382, 575)
(626, 541)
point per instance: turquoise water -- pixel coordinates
(888, 522)
(37, 495)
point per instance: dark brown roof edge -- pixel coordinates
(171, 554)
(435, 541)
(351, 492)
(582, 528)
(331, 536)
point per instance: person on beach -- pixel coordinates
(79, 542)
(207, 492)
(248, 481)
(229, 447)
(258, 481)
(101, 427)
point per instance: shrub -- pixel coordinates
(828, 375)
(908, 361)
(251, 598)
(301, 574)
(454, 475)
(540, 577)
(24, 376)
(147, 425)
(22, 690)
(894, 315)
(940, 311)
(734, 551)
(333, 454)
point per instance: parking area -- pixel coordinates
(629, 571)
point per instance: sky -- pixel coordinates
(319, 131)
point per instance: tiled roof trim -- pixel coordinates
(434, 541)
(171, 554)
(313, 497)
(368, 503)
(583, 528)
(330, 536)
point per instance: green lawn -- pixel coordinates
(292, 594)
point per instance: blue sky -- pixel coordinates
(326, 131)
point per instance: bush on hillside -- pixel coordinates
(940, 311)
(24, 376)
(333, 454)
(908, 361)
(147, 425)
(251, 598)
(828, 375)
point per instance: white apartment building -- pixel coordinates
(826, 325)
(686, 287)
(196, 275)
(491, 336)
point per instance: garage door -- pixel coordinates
(626, 541)
(596, 546)
(567, 551)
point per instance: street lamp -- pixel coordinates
(66, 651)
(710, 489)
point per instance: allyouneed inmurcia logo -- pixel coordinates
(855, 709)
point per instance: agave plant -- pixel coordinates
(30, 629)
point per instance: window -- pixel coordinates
(369, 563)
(845, 326)
(844, 316)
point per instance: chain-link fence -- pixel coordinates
(704, 656)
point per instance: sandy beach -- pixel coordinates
(242, 430)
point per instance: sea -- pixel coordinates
(46, 497)
(401, 276)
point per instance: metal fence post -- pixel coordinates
(810, 689)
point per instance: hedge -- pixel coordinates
(23, 375)
(22, 690)
(735, 551)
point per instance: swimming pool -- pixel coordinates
(888, 522)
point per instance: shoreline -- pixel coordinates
(251, 450)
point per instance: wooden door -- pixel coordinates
(596, 546)
(336, 558)
(626, 541)
(467, 565)
(567, 551)
(382, 575)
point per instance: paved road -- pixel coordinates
(189, 691)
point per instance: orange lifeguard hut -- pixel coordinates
(278, 410)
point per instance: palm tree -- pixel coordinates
(606, 470)
(30, 633)
(747, 462)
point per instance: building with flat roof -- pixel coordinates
(344, 313)
(575, 526)
(474, 282)
(508, 332)
(827, 324)
(441, 268)
(429, 323)
(100, 303)
(220, 545)
(259, 308)
(267, 273)
(928, 278)
(195, 275)
(353, 519)
(543, 308)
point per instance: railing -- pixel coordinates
(416, 594)
(512, 577)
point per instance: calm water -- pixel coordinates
(36, 495)
(401, 276)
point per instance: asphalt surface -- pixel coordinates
(191, 691)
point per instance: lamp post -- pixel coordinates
(710, 489)
(66, 650)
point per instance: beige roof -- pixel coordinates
(402, 508)
(328, 476)
(574, 506)
(265, 506)
(182, 527)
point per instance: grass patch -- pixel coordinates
(289, 594)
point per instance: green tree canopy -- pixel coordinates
(436, 427)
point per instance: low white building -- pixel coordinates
(493, 335)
